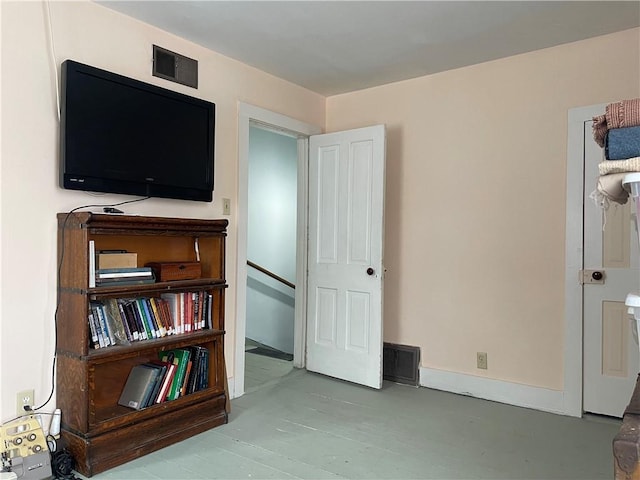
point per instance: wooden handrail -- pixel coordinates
(270, 274)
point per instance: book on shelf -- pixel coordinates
(148, 318)
(208, 306)
(195, 359)
(199, 369)
(173, 307)
(176, 307)
(117, 329)
(188, 311)
(121, 282)
(157, 384)
(155, 310)
(124, 276)
(144, 331)
(154, 321)
(185, 380)
(142, 318)
(198, 301)
(92, 263)
(165, 314)
(95, 340)
(181, 313)
(116, 259)
(138, 387)
(197, 310)
(129, 272)
(132, 328)
(195, 299)
(161, 330)
(204, 370)
(127, 306)
(119, 313)
(181, 357)
(100, 324)
(167, 379)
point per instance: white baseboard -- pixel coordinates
(510, 393)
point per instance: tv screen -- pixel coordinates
(120, 135)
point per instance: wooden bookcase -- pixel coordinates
(100, 433)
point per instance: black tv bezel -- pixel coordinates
(71, 181)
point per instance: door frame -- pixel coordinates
(247, 115)
(574, 258)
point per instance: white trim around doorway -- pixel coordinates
(246, 115)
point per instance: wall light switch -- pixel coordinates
(226, 206)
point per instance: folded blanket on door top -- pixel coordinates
(625, 113)
(619, 166)
(621, 143)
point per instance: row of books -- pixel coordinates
(176, 373)
(124, 320)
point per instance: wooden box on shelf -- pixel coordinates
(100, 433)
(169, 271)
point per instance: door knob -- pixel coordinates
(592, 277)
(370, 271)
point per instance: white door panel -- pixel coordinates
(611, 356)
(346, 202)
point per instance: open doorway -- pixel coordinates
(252, 116)
(271, 255)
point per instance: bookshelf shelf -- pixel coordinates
(181, 285)
(99, 432)
(135, 349)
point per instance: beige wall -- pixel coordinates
(475, 205)
(30, 196)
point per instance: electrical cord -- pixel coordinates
(55, 314)
(28, 412)
(53, 57)
(62, 465)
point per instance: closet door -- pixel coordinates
(611, 355)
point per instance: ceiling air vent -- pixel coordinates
(175, 67)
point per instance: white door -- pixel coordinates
(346, 204)
(611, 358)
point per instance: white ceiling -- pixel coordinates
(333, 47)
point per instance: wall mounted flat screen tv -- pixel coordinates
(120, 135)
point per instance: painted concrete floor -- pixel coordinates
(305, 425)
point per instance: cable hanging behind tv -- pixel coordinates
(120, 135)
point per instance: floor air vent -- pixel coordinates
(400, 363)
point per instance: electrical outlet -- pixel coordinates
(226, 206)
(24, 399)
(482, 360)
